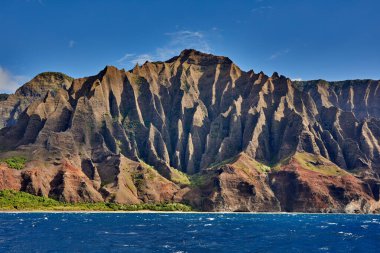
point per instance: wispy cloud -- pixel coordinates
(72, 43)
(297, 79)
(125, 57)
(142, 58)
(135, 59)
(262, 8)
(278, 54)
(9, 82)
(177, 41)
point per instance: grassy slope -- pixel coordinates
(15, 162)
(13, 200)
(307, 161)
(314, 163)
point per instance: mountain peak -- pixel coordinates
(193, 56)
(44, 82)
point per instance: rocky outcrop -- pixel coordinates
(190, 113)
(11, 106)
(237, 185)
(117, 180)
(309, 183)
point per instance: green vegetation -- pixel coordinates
(13, 200)
(277, 166)
(119, 146)
(247, 163)
(141, 178)
(323, 82)
(57, 74)
(176, 176)
(224, 162)
(138, 80)
(179, 177)
(198, 180)
(263, 168)
(318, 164)
(314, 163)
(244, 163)
(15, 162)
(131, 127)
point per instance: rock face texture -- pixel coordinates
(11, 106)
(246, 141)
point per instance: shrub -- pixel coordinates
(14, 200)
(16, 162)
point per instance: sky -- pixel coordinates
(303, 40)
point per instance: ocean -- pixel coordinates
(188, 232)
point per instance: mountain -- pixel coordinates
(195, 129)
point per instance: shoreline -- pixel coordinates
(176, 212)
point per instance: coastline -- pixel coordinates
(175, 212)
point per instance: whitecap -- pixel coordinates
(210, 219)
(344, 233)
(207, 225)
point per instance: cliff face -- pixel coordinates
(11, 106)
(251, 142)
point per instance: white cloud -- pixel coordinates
(177, 41)
(278, 54)
(8, 82)
(297, 79)
(72, 43)
(142, 58)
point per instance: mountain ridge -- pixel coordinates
(95, 137)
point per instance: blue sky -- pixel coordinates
(309, 39)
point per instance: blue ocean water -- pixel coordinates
(175, 232)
